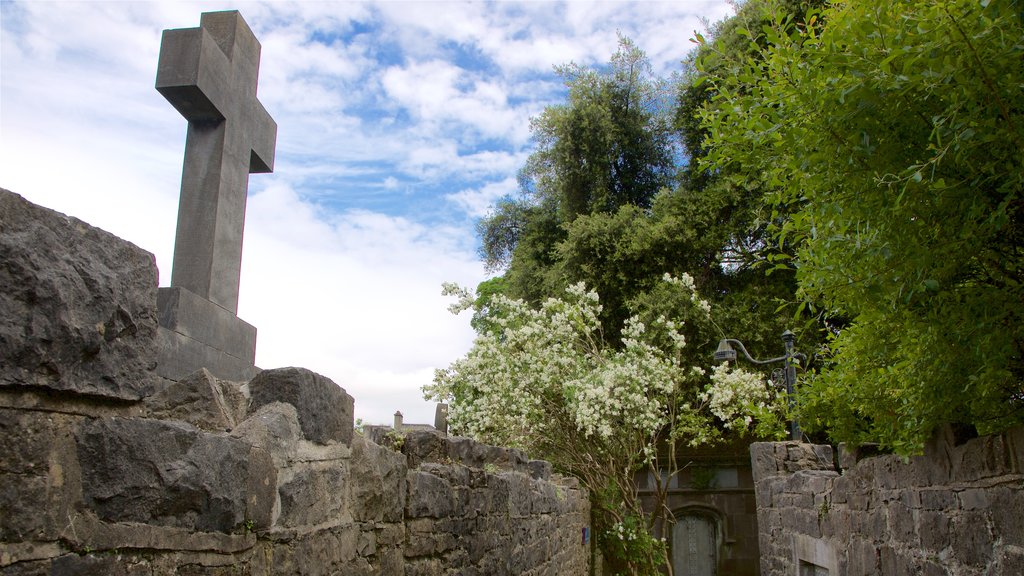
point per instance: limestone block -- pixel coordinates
(1015, 442)
(970, 538)
(367, 544)
(539, 469)
(391, 562)
(424, 446)
(901, 524)
(203, 401)
(78, 306)
(425, 567)
(981, 458)
(274, 428)
(520, 494)
(428, 537)
(862, 557)
(1006, 510)
(973, 499)
(896, 563)
(378, 482)
(938, 499)
(168, 473)
(763, 462)
(1010, 562)
(38, 475)
(933, 529)
(545, 499)
(324, 408)
(935, 467)
(76, 565)
(498, 486)
(477, 455)
(314, 494)
(330, 551)
(390, 535)
(428, 496)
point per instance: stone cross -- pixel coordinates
(209, 74)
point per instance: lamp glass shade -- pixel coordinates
(725, 352)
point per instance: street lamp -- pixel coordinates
(726, 353)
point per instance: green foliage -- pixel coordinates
(610, 145)
(394, 440)
(889, 140)
(628, 543)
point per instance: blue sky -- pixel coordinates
(399, 125)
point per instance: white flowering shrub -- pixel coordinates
(732, 392)
(544, 380)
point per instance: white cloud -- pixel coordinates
(355, 296)
(477, 202)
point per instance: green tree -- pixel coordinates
(609, 146)
(890, 142)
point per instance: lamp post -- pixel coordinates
(726, 353)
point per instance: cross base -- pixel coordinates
(195, 333)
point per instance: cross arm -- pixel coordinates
(192, 74)
(263, 137)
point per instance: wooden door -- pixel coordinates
(694, 546)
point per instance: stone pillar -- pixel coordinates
(441, 418)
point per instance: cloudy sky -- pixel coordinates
(399, 124)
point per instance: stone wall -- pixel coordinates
(957, 509)
(106, 468)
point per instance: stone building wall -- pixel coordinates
(711, 497)
(106, 468)
(958, 509)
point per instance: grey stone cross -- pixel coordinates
(209, 74)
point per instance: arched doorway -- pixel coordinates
(695, 544)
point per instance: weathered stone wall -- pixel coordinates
(106, 468)
(958, 509)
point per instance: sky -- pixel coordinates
(399, 125)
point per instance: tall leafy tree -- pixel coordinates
(609, 146)
(890, 139)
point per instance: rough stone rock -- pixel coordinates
(78, 305)
(376, 473)
(168, 473)
(325, 410)
(425, 446)
(314, 494)
(88, 565)
(275, 428)
(540, 469)
(37, 474)
(429, 496)
(480, 455)
(206, 402)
